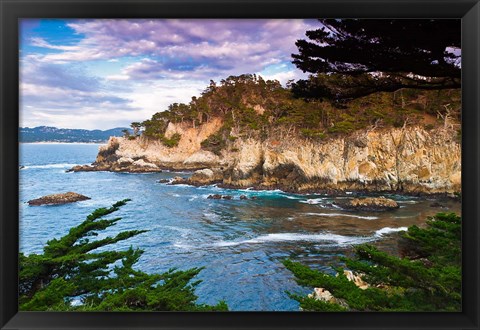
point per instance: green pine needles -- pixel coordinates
(69, 270)
(427, 276)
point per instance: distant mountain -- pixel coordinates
(53, 134)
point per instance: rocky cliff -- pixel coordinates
(409, 159)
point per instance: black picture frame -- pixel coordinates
(12, 10)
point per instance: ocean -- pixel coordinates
(241, 243)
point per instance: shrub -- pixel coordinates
(173, 141)
(69, 269)
(426, 278)
(312, 133)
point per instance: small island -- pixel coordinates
(58, 199)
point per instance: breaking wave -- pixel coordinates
(342, 215)
(49, 166)
(328, 239)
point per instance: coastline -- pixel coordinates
(331, 192)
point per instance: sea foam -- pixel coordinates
(342, 215)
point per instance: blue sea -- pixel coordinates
(241, 243)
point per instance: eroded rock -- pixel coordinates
(214, 196)
(206, 176)
(370, 204)
(179, 180)
(57, 199)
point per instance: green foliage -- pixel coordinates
(426, 278)
(136, 126)
(345, 126)
(216, 142)
(104, 281)
(126, 133)
(312, 133)
(343, 53)
(173, 141)
(429, 127)
(251, 107)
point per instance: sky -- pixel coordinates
(101, 74)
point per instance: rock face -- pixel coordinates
(410, 160)
(370, 204)
(355, 279)
(56, 199)
(325, 295)
(205, 177)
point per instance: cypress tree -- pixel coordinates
(71, 267)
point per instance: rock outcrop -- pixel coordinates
(323, 294)
(57, 199)
(370, 204)
(205, 177)
(409, 160)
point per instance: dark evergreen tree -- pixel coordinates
(72, 267)
(427, 277)
(350, 58)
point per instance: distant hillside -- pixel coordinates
(53, 134)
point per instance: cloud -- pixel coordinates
(40, 42)
(34, 71)
(52, 93)
(193, 46)
(111, 72)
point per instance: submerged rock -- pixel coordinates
(82, 168)
(243, 197)
(218, 196)
(437, 204)
(370, 204)
(57, 199)
(124, 167)
(179, 180)
(214, 196)
(163, 181)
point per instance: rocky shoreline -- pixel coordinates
(409, 161)
(199, 178)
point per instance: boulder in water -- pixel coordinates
(58, 199)
(214, 196)
(370, 204)
(179, 180)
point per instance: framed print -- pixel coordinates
(231, 164)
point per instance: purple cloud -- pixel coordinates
(119, 71)
(72, 77)
(185, 45)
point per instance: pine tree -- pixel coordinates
(426, 277)
(71, 268)
(351, 58)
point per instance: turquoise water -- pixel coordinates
(239, 242)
